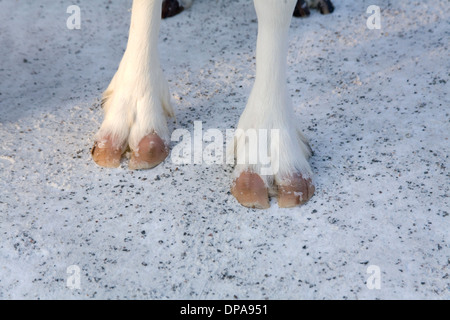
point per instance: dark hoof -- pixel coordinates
(325, 6)
(170, 8)
(301, 9)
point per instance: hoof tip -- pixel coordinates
(150, 152)
(250, 191)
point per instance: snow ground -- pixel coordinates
(374, 104)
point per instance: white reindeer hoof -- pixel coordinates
(250, 191)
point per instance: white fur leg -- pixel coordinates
(269, 106)
(152, 107)
(137, 100)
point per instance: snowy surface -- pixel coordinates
(374, 104)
